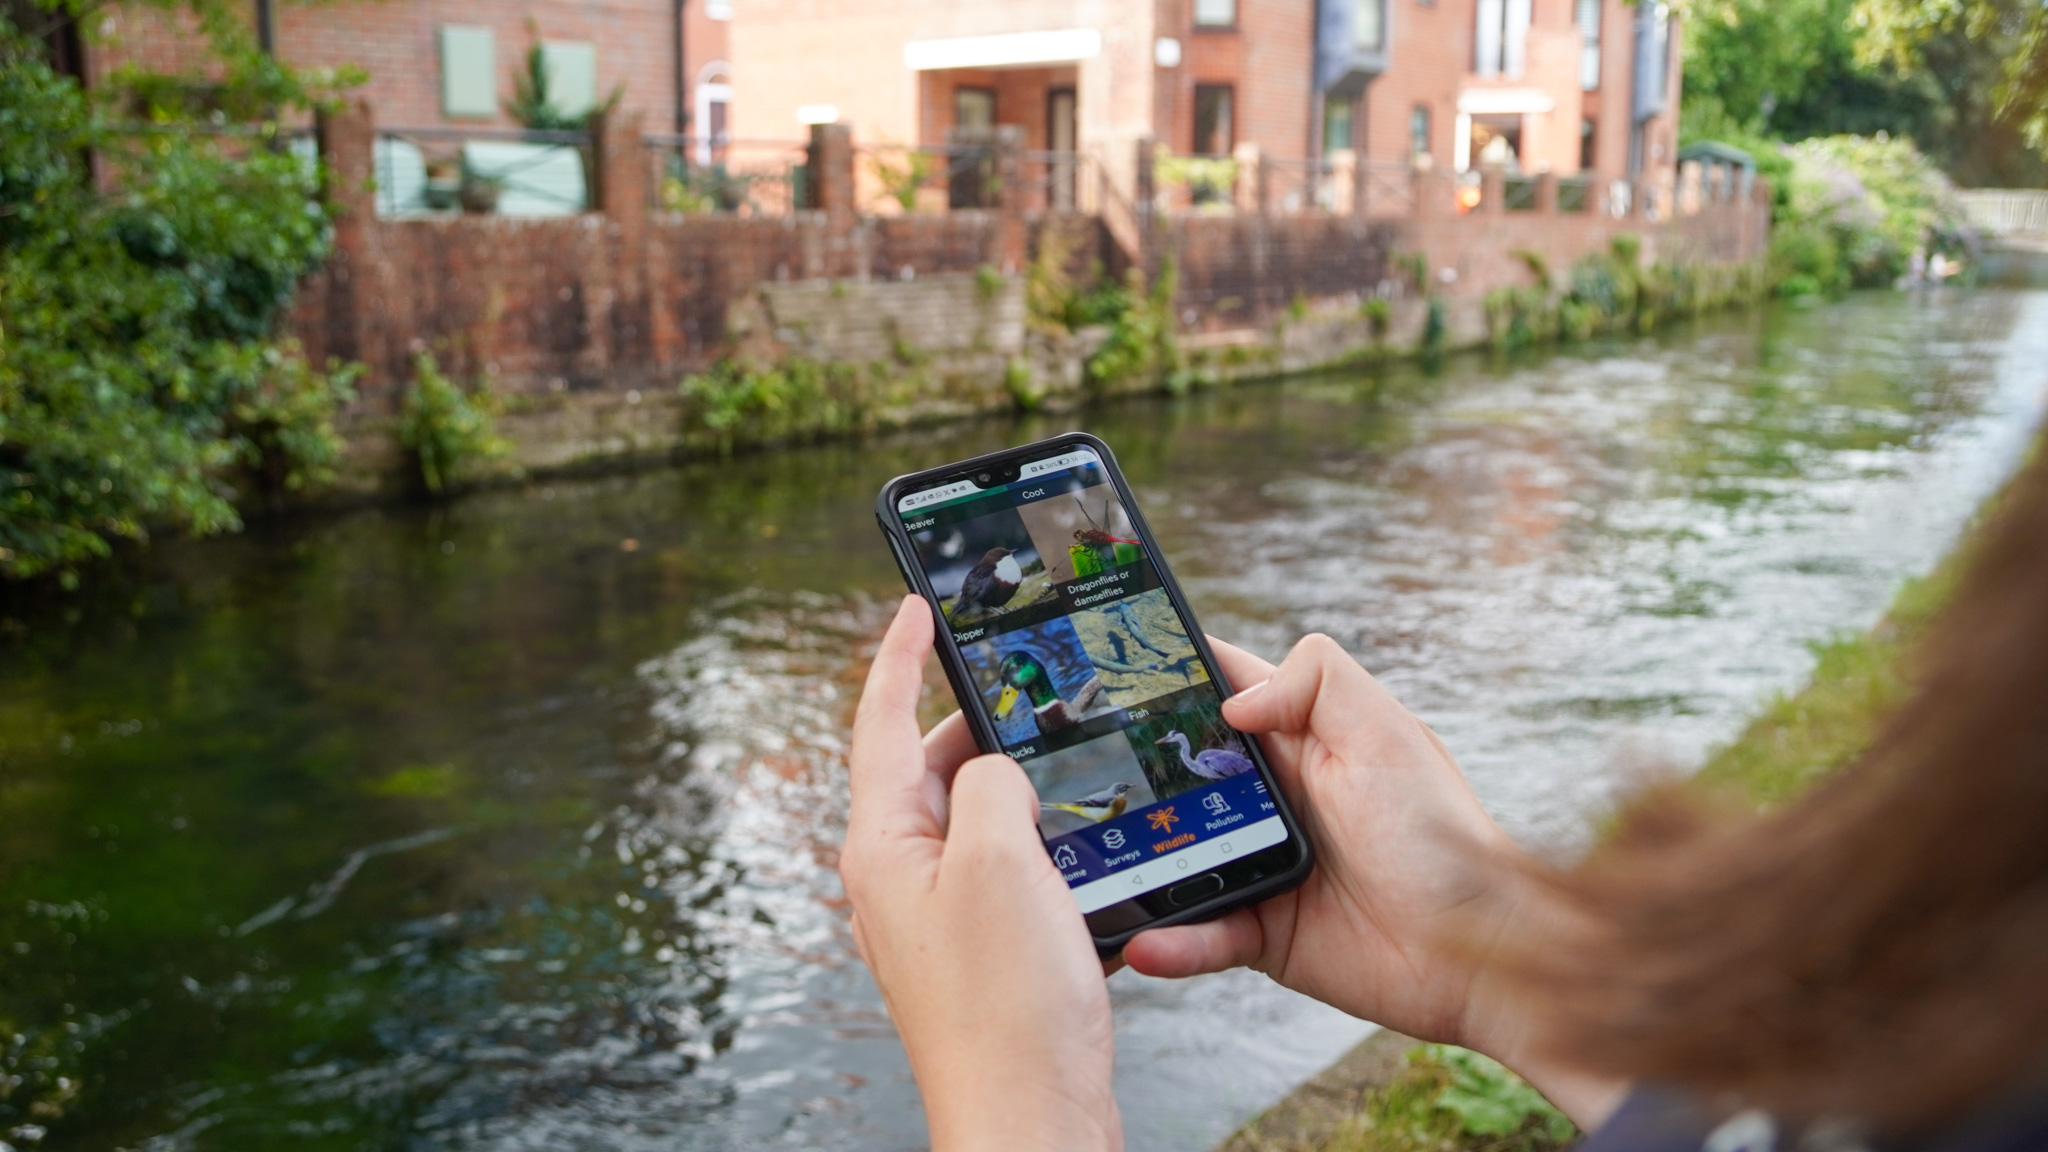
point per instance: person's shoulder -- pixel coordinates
(1658, 1119)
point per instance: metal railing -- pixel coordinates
(1518, 193)
(1575, 194)
(509, 171)
(2006, 211)
(1388, 189)
(697, 175)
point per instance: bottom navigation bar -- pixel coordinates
(1174, 867)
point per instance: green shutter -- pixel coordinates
(469, 73)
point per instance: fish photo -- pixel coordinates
(1036, 681)
(1184, 744)
(1087, 784)
(1139, 648)
(1081, 531)
(983, 567)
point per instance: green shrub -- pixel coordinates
(138, 378)
(1141, 339)
(740, 403)
(1448, 1098)
(447, 433)
(1379, 316)
(1855, 210)
(900, 180)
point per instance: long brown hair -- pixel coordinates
(1877, 951)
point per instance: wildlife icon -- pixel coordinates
(1081, 531)
(1086, 785)
(982, 567)
(1036, 681)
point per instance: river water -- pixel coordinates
(510, 824)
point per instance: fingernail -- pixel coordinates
(1244, 692)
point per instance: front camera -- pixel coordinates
(983, 479)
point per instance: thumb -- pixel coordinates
(995, 811)
(1318, 690)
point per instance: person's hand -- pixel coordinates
(1412, 882)
(980, 952)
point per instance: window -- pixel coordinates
(718, 9)
(1368, 24)
(1337, 120)
(1586, 152)
(1213, 127)
(1586, 14)
(572, 76)
(974, 109)
(1215, 13)
(1500, 40)
(1418, 131)
(469, 72)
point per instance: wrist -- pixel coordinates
(998, 1114)
(1500, 1019)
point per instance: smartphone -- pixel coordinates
(1071, 649)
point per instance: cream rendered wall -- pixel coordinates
(792, 53)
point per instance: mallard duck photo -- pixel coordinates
(1023, 674)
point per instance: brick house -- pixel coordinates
(1558, 86)
(450, 63)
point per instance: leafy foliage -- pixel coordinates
(533, 102)
(901, 179)
(794, 399)
(138, 380)
(1898, 32)
(1141, 341)
(448, 432)
(1856, 208)
(1445, 1099)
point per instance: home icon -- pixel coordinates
(1063, 856)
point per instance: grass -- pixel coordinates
(1801, 737)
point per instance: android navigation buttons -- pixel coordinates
(1195, 891)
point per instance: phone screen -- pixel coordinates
(1088, 671)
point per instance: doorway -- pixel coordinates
(1062, 133)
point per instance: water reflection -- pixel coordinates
(511, 824)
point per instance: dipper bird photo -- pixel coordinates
(992, 582)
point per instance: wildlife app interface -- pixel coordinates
(1094, 685)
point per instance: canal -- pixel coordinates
(510, 823)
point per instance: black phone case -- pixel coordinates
(983, 727)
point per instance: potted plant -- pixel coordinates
(444, 184)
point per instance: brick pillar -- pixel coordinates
(621, 166)
(1343, 183)
(1009, 254)
(1493, 189)
(1546, 194)
(831, 167)
(1433, 192)
(1244, 194)
(347, 139)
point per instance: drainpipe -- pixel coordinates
(1315, 82)
(266, 26)
(682, 74)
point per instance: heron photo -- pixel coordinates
(1184, 744)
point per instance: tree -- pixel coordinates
(142, 382)
(2016, 31)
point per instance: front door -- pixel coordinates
(1061, 132)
